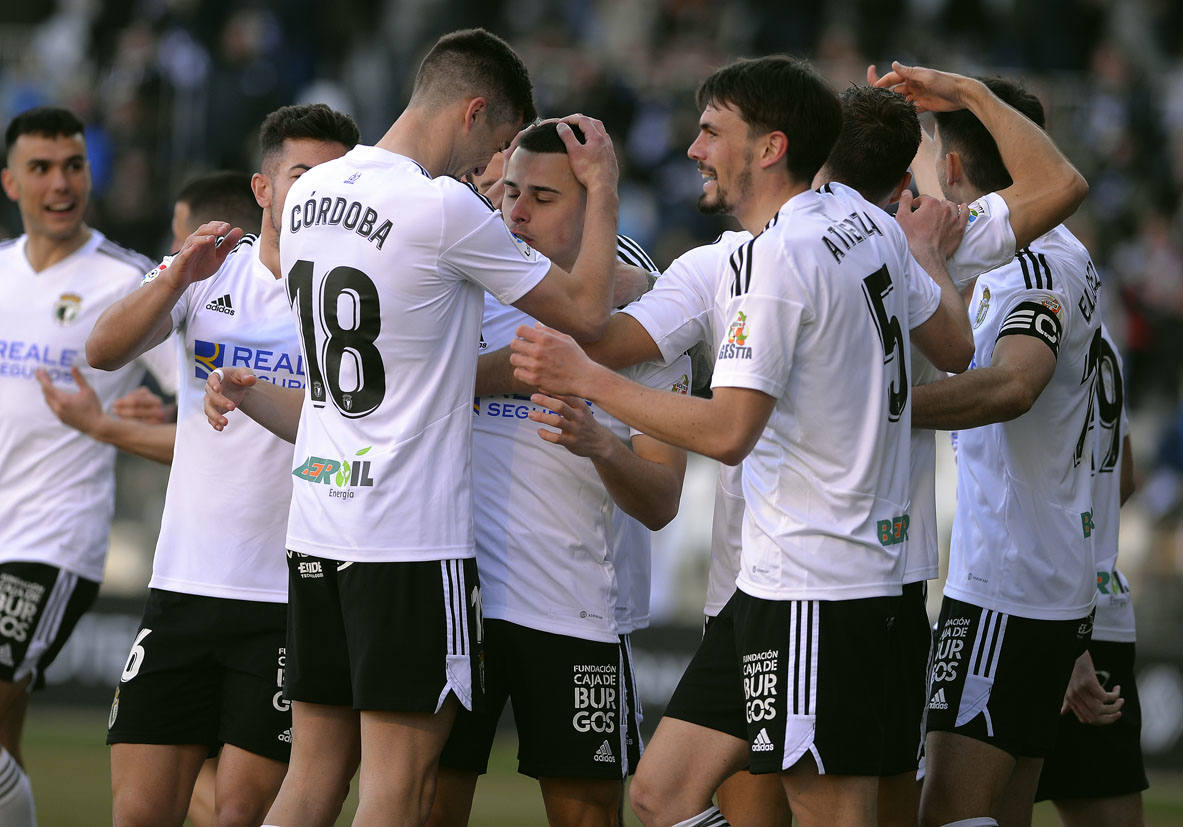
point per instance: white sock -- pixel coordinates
(980, 821)
(710, 817)
(16, 794)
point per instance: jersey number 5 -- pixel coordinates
(876, 288)
(347, 364)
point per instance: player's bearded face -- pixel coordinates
(725, 154)
(49, 178)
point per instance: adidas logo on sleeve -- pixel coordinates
(222, 305)
(762, 743)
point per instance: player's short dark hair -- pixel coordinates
(544, 138)
(963, 133)
(314, 121)
(478, 63)
(879, 136)
(780, 93)
(222, 196)
(47, 121)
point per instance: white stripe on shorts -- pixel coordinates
(49, 624)
(804, 619)
(456, 631)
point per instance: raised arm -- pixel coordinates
(1045, 190)
(143, 318)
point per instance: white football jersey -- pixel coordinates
(1022, 540)
(60, 487)
(681, 310)
(226, 511)
(988, 242)
(1115, 611)
(554, 551)
(385, 268)
(820, 307)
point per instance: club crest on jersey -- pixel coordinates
(66, 308)
(983, 306)
(340, 475)
(736, 346)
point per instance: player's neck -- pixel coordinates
(415, 136)
(269, 245)
(755, 213)
(42, 251)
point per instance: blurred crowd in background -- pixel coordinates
(170, 88)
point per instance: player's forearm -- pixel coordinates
(1046, 188)
(645, 490)
(625, 342)
(275, 408)
(136, 323)
(924, 167)
(494, 375)
(954, 350)
(154, 442)
(977, 397)
(594, 272)
(699, 425)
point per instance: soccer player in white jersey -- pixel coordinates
(59, 274)
(140, 423)
(387, 255)
(811, 379)
(562, 543)
(1020, 590)
(1095, 773)
(205, 669)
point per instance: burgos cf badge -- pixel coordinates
(736, 346)
(65, 309)
(206, 357)
(341, 475)
(983, 307)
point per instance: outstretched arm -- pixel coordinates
(83, 411)
(276, 409)
(1045, 190)
(725, 427)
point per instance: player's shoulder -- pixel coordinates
(630, 252)
(107, 250)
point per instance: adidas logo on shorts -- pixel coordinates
(604, 754)
(6, 654)
(222, 305)
(762, 743)
(938, 700)
(286, 736)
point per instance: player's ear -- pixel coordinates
(954, 172)
(903, 184)
(9, 182)
(261, 187)
(776, 144)
(472, 113)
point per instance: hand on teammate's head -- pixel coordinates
(593, 161)
(929, 89)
